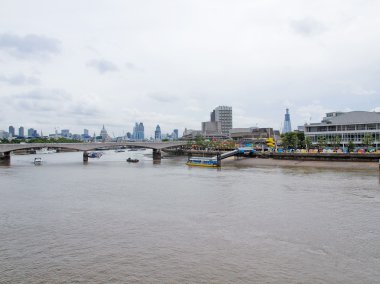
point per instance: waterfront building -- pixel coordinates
(223, 115)
(252, 134)
(21, 132)
(287, 125)
(346, 127)
(138, 132)
(211, 127)
(11, 131)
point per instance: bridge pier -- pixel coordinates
(5, 160)
(156, 154)
(85, 157)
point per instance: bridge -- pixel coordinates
(6, 149)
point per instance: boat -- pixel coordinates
(132, 149)
(45, 150)
(129, 160)
(37, 161)
(203, 162)
(119, 150)
(95, 154)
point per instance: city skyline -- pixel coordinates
(259, 58)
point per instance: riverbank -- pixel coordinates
(258, 162)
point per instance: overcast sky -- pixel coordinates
(81, 64)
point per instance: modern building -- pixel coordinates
(157, 133)
(65, 133)
(85, 132)
(11, 131)
(31, 132)
(175, 134)
(223, 115)
(287, 124)
(138, 132)
(252, 134)
(3, 134)
(21, 132)
(346, 127)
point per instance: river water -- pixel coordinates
(114, 222)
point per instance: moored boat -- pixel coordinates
(37, 161)
(95, 154)
(129, 160)
(203, 162)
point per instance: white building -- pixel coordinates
(348, 126)
(223, 114)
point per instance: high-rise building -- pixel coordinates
(138, 131)
(65, 133)
(157, 133)
(30, 132)
(223, 114)
(21, 132)
(11, 131)
(175, 134)
(287, 125)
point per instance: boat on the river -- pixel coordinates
(95, 154)
(129, 160)
(203, 162)
(119, 150)
(37, 161)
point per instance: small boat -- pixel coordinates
(203, 162)
(95, 154)
(119, 150)
(37, 161)
(129, 160)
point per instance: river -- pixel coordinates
(114, 222)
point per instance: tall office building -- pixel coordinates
(65, 133)
(157, 133)
(287, 124)
(223, 114)
(175, 134)
(21, 132)
(138, 131)
(30, 132)
(11, 131)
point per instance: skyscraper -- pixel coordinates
(11, 131)
(138, 131)
(21, 132)
(157, 133)
(175, 134)
(223, 114)
(287, 125)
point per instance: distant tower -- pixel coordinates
(157, 133)
(21, 131)
(104, 134)
(11, 131)
(287, 124)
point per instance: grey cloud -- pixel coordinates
(308, 27)
(29, 46)
(19, 80)
(162, 97)
(102, 66)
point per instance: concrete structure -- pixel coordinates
(346, 126)
(211, 127)
(223, 114)
(287, 124)
(251, 134)
(6, 149)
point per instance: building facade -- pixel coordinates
(21, 132)
(11, 131)
(223, 115)
(157, 133)
(346, 127)
(138, 132)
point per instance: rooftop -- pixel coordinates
(352, 117)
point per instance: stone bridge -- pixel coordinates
(6, 149)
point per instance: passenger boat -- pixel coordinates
(37, 161)
(95, 154)
(203, 162)
(129, 160)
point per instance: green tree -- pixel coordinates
(308, 142)
(336, 141)
(367, 140)
(350, 146)
(322, 142)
